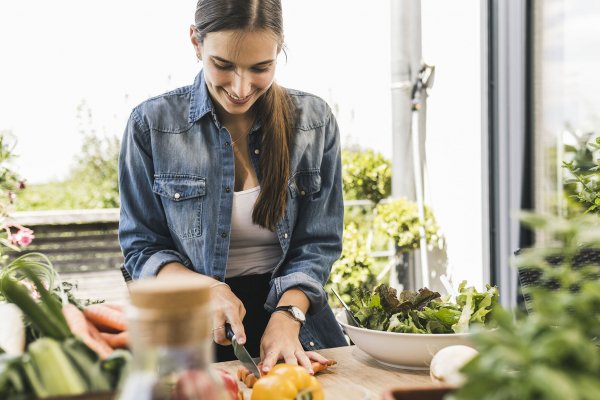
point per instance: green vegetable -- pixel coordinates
(43, 315)
(11, 376)
(55, 373)
(37, 313)
(33, 377)
(423, 311)
(87, 364)
(553, 352)
(51, 368)
(116, 366)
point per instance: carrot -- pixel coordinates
(97, 342)
(105, 318)
(242, 372)
(244, 375)
(115, 306)
(87, 332)
(250, 380)
(318, 367)
(116, 340)
(75, 319)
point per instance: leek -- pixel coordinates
(55, 372)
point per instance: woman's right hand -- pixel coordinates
(226, 307)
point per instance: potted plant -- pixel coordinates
(398, 220)
(553, 352)
(354, 269)
(366, 177)
(584, 184)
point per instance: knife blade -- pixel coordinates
(241, 353)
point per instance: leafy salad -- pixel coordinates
(422, 311)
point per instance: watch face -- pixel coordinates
(299, 315)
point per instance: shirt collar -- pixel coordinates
(200, 102)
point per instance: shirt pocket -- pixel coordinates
(305, 183)
(182, 198)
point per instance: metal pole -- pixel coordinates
(408, 153)
(419, 103)
(404, 73)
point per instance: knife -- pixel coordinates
(241, 353)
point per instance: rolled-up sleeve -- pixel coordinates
(144, 235)
(316, 241)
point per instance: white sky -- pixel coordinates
(114, 54)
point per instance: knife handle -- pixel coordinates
(228, 331)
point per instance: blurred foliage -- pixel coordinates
(91, 183)
(399, 220)
(354, 269)
(366, 175)
(583, 182)
(12, 236)
(10, 182)
(552, 353)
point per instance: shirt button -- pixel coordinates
(302, 192)
(285, 235)
(256, 151)
(312, 344)
(226, 144)
(223, 235)
(177, 196)
(228, 189)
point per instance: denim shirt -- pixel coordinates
(176, 180)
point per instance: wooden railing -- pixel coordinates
(75, 240)
(87, 240)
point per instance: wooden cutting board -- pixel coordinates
(356, 376)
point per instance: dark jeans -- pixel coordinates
(252, 290)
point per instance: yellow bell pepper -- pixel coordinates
(287, 382)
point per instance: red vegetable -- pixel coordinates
(230, 384)
(194, 384)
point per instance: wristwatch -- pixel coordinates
(294, 312)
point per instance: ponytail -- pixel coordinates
(277, 111)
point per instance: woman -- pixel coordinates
(236, 181)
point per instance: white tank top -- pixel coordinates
(252, 248)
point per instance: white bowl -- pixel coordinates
(402, 350)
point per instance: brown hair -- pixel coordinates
(275, 108)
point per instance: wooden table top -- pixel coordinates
(356, 376)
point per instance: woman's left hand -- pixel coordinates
(280, 342)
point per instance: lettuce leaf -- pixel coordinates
(422, 311)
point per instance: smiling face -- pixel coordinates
(239, 67)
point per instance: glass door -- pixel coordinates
(566, 103)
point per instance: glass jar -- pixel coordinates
(171, 341)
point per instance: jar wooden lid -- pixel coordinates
(168, 293)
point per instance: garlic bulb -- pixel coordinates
(447, 362)
(12, 330)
